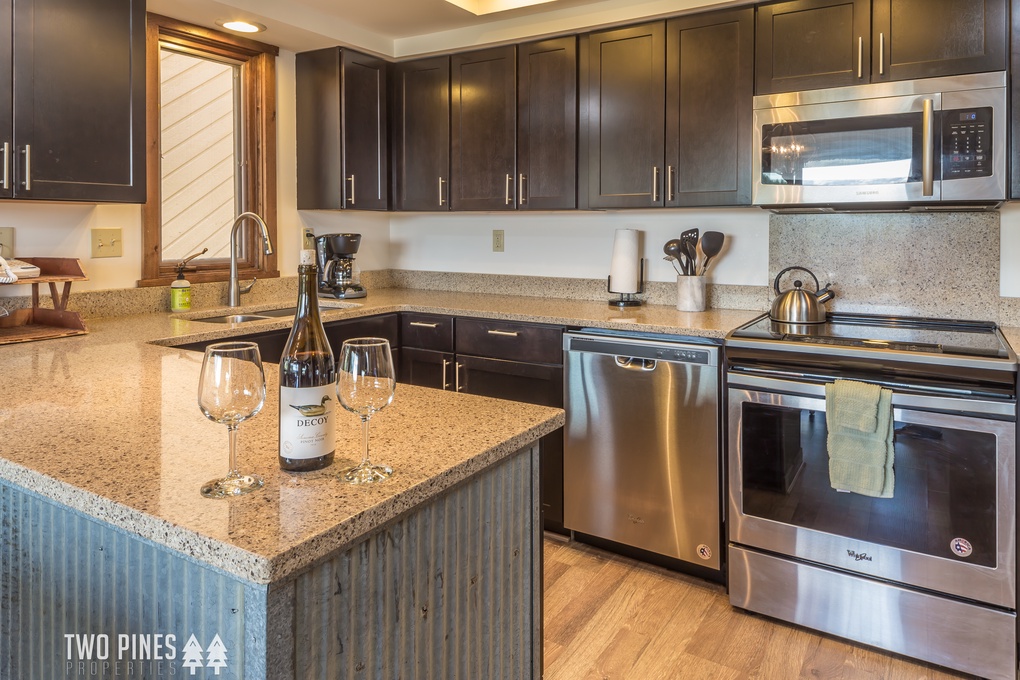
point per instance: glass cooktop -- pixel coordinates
(865, 331)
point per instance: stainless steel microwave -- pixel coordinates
(928, 144)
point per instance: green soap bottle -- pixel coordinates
(180, 292)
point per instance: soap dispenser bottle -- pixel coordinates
(180, 289)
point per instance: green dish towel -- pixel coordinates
(860, 442)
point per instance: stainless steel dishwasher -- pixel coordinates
(641, 444)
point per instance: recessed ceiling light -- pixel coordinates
(242, 26)
(479, 7)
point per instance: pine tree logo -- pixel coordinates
(193, 654)
(217, 652)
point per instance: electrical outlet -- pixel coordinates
(497, 240)
(107, 243)
(307, 239)
(6, 242)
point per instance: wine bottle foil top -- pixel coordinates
(307, 257)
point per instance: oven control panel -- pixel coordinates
(967, 143)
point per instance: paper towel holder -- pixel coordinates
(628, 299)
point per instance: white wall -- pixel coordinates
(1009, 250)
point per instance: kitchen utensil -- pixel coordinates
(796, 306)
(689, 246)
(711, 243)
(672, 248)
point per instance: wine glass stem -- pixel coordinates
(232, 433)
(364, 440)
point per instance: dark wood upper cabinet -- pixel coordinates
(421, 134)
(547, 124)
(73, 79)
(810, 44)
(624, 84)
(928, 38)
(342, 154)
(483, 106)
(710, 83)
(6, 102)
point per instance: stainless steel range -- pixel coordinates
(931, 571)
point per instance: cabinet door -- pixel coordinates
(710, 85)
(1014, 100)
(366, 167)
(426, 368)
(319, 143)
(810, 44)
(534, 384)
(928, 38)
(6, 104)
(625, 87)
(386, 326)
(483, 130)
(547, 124)
(79, 99)
(421, 128)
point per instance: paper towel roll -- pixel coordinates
(624, 269)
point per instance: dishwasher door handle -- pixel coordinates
(635, 364)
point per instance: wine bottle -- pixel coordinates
(307, 373)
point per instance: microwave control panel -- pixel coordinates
(966, 143)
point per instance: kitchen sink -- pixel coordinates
(233, 318)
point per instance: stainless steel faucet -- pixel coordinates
(235, 289)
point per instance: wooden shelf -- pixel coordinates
(39, 323)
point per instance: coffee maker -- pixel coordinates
(339, 276)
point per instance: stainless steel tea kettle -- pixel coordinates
(797, 305)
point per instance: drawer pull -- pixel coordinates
(508, 334)
(422, 324)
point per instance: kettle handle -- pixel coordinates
(788, 269)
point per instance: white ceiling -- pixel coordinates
(404, 28)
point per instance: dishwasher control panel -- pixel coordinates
(642, 349)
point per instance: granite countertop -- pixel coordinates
(108, 424)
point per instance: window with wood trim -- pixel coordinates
(211, 140)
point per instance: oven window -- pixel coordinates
(945, 484)
(848, 151)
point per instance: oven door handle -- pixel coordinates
(946, 399)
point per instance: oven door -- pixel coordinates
(950, 525)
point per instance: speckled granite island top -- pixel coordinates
(108, 424)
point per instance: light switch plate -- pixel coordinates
(107, 243)
(7, 241)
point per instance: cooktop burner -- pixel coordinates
(870, 332)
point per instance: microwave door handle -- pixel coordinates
(928, 151)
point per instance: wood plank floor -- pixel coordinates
(608, 617)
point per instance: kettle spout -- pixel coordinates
(825, 294)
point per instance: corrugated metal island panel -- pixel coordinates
(449, 591)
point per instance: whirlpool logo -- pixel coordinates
(859, 557)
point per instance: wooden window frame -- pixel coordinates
(258, 77)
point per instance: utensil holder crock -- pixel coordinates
(690, 293)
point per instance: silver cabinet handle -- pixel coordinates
(881, 54)
(655, 184)
(351, 179)
(446, 363)
(928, 151)
(456, 377)
(506, 189)
(860, 56)
(508, 334)
(28, 167)
(7, 166)
(522, 197)
(669, 182)
(422, 324)
(441, 182)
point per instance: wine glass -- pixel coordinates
(364, 384)
(232, 389)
